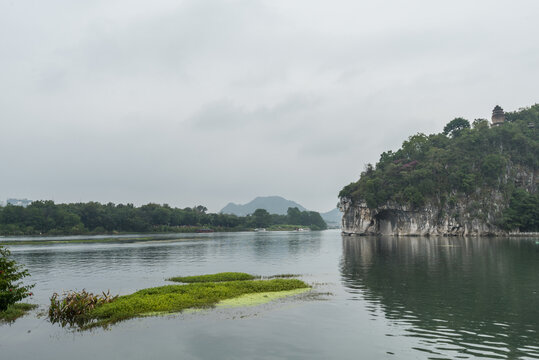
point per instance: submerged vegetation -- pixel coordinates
(15, 311)
(463, 162)
(48, 218)
(201, 292)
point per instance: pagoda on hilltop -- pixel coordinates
(498, 116)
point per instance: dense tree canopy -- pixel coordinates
(455, 127)
(458, 162)
(46, 217)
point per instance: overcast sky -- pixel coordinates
(211, 101)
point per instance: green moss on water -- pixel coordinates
(176, 298)
(225, 276)
(259, 298)
(15, 311)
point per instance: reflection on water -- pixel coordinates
(124, 267)
(459, 298)
(407, 298)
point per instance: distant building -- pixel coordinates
(19, 202)
(498, 116)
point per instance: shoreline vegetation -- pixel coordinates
(15, 311)
(47, 218)
(41, 239)
(85, 310)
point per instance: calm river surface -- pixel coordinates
(378, 298)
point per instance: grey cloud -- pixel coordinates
(224, 115)
(224, 100)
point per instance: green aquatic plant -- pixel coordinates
(259, 298)
(224, 276)
(15, 311)
(87, 310)
(73, 307)
(176, 298)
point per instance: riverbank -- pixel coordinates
(119, 238)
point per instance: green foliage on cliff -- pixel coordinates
(461, 161)
(523, 211)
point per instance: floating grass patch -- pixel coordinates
(15, 311)
(259, 298)
(86, 310)
(219, 277)
(176, 298)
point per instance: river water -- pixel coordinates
(373, 298)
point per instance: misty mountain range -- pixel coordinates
(277, 205)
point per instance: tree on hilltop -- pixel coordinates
(454, 127)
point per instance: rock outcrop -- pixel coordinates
(394, 219)
(475, 215)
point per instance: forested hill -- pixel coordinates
(467, 161)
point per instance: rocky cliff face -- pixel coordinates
(394, 219)
(461, 216)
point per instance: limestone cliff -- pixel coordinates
(394, 219)
(472, 215)
(471, 179)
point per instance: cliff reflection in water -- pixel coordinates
(461, 297)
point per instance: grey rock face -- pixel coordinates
(467, 216)
(393, 219)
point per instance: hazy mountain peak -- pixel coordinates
(273, 204)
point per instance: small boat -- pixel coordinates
(260, 229)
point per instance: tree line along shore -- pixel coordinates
(48, 218)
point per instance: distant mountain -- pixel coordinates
(278, 205)
(332, 218)
(273, 204)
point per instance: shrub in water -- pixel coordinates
(11, 288)
(74, 307)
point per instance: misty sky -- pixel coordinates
(210, 101)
